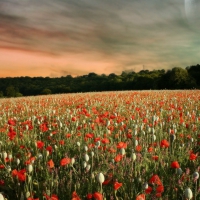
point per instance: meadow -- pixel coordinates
(131, 145)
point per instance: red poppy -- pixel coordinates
(106, 182)
(175, 164)
(193, 156)
(12, 134)
(138, 148)
(164, 144)
(118, 158)
(117, 185)
(53, 197)
(65, 161)
(98, 196)
(140, 197)
(2, 182)
(40, 144)
(121, 145)
(89, 135)
(61, 142)
(19, 174)
(75, 196)
(160, 189)
(148, 190)
(105, 141)
(155, 157)
(51, 163)
(155, 180)
(150, 149)
(43, 127)
(89, 196)
(50, 149)
(12, 122)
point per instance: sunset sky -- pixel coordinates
(60, 37)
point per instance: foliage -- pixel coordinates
(176, 78)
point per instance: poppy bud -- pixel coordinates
(84, 164)
(28, 194)
(72, 161)
(86, 148)
(17, 161)
(88, 167)
(47, 153)
(1, 197)
(9, 169)
(145, 186)
(4, 155)
(9, 156)
(92, 153)
(196, 175)
(86, 157)
(30, 168)
(122, 151)
(172, 138)
(188, 193)
(135, 132)
(154, 137)
(98, 143)
(179, 171)
(78, 144)
(133, 156)
(100, 178)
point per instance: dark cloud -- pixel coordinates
(131, 32)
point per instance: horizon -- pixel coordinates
(54, 39)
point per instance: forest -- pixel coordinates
(176, 78)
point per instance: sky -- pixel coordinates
(75, 37)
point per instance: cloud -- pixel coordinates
(128, 33)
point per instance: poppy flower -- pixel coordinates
(155, 180)
(106, 182)
(75, 196)
(138, 148)
(150, 149)
(40, 144)
(98, 196)
(53, 197)
(164, 144)
(12, 122)
(118, 158)
(2, 182)
(155, 158)
(117, 185)
(148, 190)
(193, 156)
(140, 197)
(160, 189)
(105, 141)
(121, 145)
(175, 164)
(51, 163)
(65, 161)
(50, 149)
(19, 174)
(89, 196)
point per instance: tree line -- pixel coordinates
(175, 78)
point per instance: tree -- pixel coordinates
(10, 91)
(46, 91)
(1, 94)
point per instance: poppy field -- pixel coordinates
(130, 145)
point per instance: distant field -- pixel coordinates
(132, 145)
